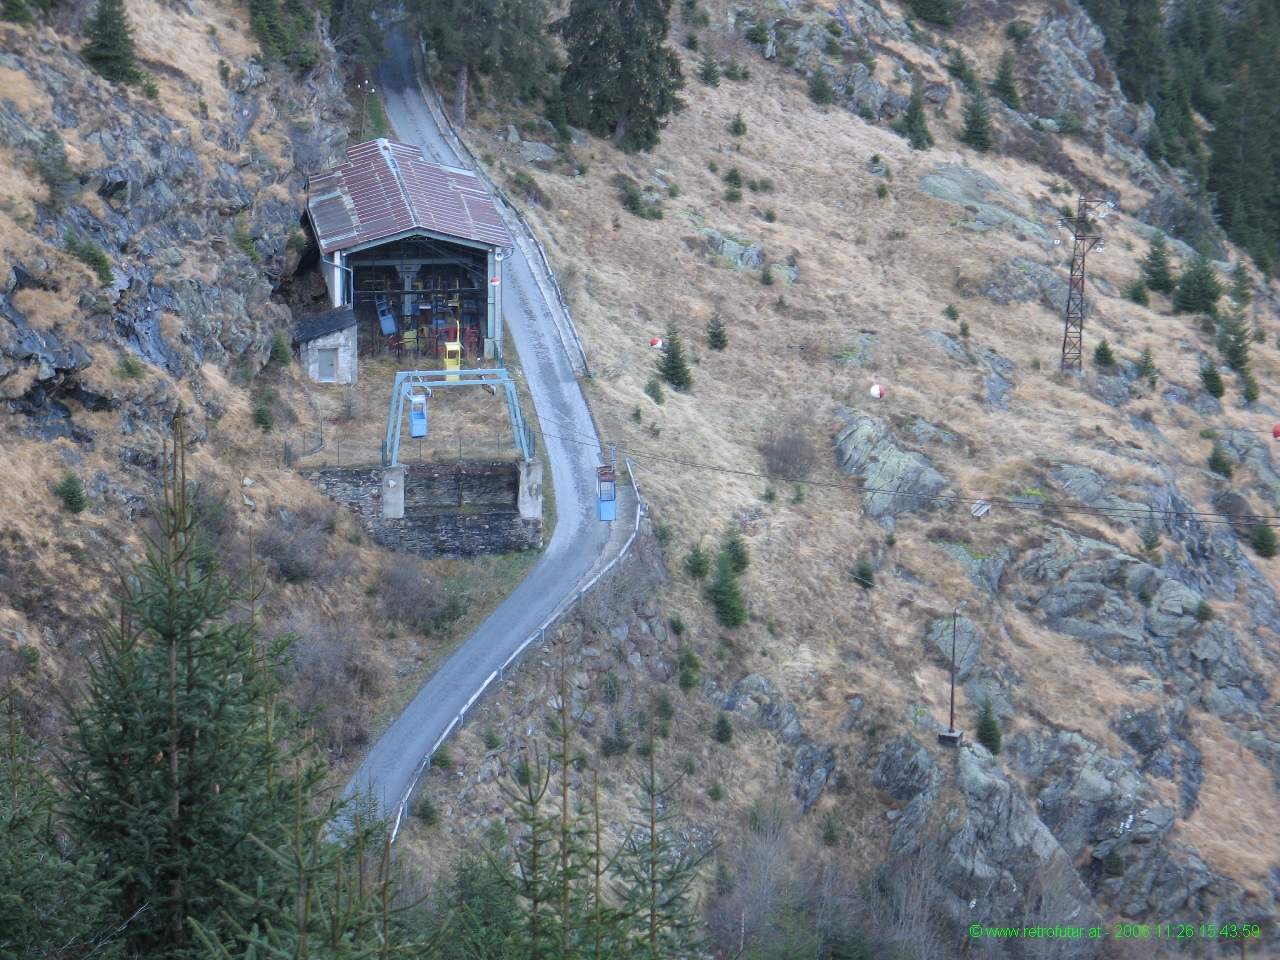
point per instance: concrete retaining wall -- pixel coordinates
(450, 510)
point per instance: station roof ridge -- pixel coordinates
(387, 189)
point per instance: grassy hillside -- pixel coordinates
(877, 264)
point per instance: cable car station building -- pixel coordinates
(414, 247)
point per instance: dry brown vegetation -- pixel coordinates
(888, 267)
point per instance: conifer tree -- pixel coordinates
(1156, 270)
(989, 727)
(717, 337)
(672, 366)
(55, 169)
(709, 71)
(1233, 340)
(1147, 366)
(502, 39)
(942, 12)
(622, 78)
(1135, 291)
(697, 563)
(656, 874)
(1262, 537)
(960, 68)
(820, 90)
(1198, 289)
(52, 903)
(977, 124)
(914, 125)
(15, 11)
(178, 775)
(1212, 379)
(1005, 86)
(735, 549)
(481, 907)
(1220, 462)
(726, 595)
(110, 48)
(1241, 285)
(1103, 356)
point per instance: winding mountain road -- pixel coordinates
(389, 769)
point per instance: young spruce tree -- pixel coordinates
(717, 336)
(1156, 270)
(1005, 86)
(622, 78)
(1198, 289)
(52, 903)
(179, 778)
(977, 124)
(110, 48)
(915, 125)
(672, 366)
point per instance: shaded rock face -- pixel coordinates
(993, 859)
(156, 198)
(1090, 487)
(1024, 281)
(1101, 804)
(1091, 590)
(896, 480)
(759, 701)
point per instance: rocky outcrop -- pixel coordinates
(1133, 613)
(197, 240)
(990, 857)
(761, 703)
(1024, 281)
(983, 570)
(738, 252)
(895, 480)
(986, 204)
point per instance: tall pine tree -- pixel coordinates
(110, 48)
(504, 40)
(622, 78)
(178, 777)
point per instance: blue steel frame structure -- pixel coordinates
(407, 381)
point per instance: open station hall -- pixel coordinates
(415, 248)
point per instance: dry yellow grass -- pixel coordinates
(888, 266)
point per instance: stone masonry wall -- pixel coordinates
(451, 510)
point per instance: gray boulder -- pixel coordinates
(1025, 281)
(985, 571)
(985, 203)
(737, 252)
(895, 481)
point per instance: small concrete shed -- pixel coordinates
(326, 343)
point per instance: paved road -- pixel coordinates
(390, 766)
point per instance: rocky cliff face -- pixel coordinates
(195, 201)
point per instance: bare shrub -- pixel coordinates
(909, 888)
(408, 595)
(301, 548)
(788, 453)
(334, 676)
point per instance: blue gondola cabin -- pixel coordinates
(417, 415)
(606, 493)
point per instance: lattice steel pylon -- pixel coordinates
(1073, 330)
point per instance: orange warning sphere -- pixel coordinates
(656, 343)
(877, 391)
(1275, 432)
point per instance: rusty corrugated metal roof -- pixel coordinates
(386, 188)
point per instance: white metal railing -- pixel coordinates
(538, 636)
